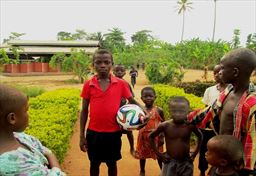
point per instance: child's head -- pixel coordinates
(216, 74)
(13, 109)
(102, 61)
(237, 65)
(224, 150)
(119, 71)
(148, 96)
(179, 108)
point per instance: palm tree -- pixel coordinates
(114, 40)
(183, 5)
(214, 23)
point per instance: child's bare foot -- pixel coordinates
(132, 152)
(142, 173)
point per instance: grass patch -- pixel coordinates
(72, 81)
(30, 91)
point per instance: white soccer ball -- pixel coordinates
(130, 117)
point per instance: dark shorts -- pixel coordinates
(178, 168)
(104, 147)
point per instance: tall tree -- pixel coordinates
(62, 35)
(97, 36)
(251, 42)
(114, 40)
(79, 35)
(214, 20)
(183, 6)
(141, 37)
(14, 36)
(236, 39)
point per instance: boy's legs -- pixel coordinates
(95, 168)
(103, 147)
(159, 161)
(133, 81)
(112, 168)
(142, 167)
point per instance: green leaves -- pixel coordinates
(165, 92)
(52, 117)
(78, 62)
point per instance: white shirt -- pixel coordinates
(210, 95)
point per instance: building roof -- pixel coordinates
(50, 47)
(53, 43)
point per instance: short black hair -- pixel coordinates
(11, 100)
(179, 99)
(148, 88)
(102, 51)
(243, 58)
(229, 148)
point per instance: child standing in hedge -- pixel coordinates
(144, 151)
(177, 159)
(20, 153)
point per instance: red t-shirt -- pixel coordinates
(104, 105)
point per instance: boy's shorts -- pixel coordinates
(104, 146)
(175, 167)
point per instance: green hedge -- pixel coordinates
(165, 92)
(196, 88)
(52, 117)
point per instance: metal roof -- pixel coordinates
(50, 47)
(52, 50)
(53, 43)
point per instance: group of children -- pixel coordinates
(232, 116)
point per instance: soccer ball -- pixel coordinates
(130, 117)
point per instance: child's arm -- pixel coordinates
(161, 136)
(52, 159)
(83, 121)
(161, 113)
(199, 135)
(152, 136)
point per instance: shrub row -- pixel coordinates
(165, 92)
(196, 88)
(52, 117)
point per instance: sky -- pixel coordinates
(42, 20)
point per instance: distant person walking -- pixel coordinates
(133, 73)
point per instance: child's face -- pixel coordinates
(212, 154)
(148, 97)
(102, 64)
(216, 74)
(119, 71)
(227, 71)
(179, 111)
(21, 118)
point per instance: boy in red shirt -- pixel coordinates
(103, 92)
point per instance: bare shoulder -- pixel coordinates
(167, 123)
